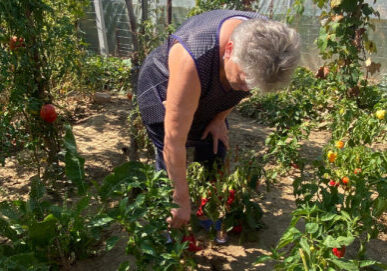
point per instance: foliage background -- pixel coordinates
(308, 25)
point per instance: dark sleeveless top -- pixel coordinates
(200, 37)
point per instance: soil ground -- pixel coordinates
(101, 132)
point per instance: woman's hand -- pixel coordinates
(182, 215)
(218, 129)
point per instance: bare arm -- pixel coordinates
(183, 95)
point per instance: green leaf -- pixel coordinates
(346, 215)
(346, 241)
(367, 263)
(122, 176)
(74, 168)
(331, 242)
(69, 140)
(349, 266)
(100, 221)
(7, 231)
(37, 188)
(75, 171)
(8, 210)
(311, 227)
(41, 233)
(146, 247)
(111, 242)
(380, 206)
(289, 236)
(26, 260)
(328, 217)
(125, 266)
(305, 246)
(262, 259)
(82, 204)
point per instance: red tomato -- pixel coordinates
(48, 113)
(357, 170)
(345, 180)
(340, 144)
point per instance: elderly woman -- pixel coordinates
(189, 85)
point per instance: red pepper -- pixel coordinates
(339, 252)
(191, 243)
(237, 229)
(333, 183)
(231, 197)
(200, 211)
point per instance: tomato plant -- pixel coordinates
(39, 48)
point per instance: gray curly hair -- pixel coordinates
(267, 52)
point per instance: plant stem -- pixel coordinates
(303, 259)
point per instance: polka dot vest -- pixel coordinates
(200, 37)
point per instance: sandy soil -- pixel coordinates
(102, 131)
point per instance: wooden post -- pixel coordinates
(271, 9)
(169, 12)
(133, 25)
(101, 29)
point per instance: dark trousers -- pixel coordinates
(203, 149)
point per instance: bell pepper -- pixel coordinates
(338, 252)
(191, 243)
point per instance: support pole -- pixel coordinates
(101, 28)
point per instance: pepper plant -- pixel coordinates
(144, 202)
(225, 196)
(342, 196)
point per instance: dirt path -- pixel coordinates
(102, 131)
